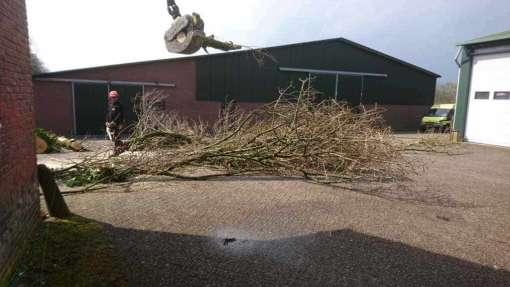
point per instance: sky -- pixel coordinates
(70, 34)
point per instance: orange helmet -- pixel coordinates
(113, 95)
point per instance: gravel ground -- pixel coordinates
(449, 226)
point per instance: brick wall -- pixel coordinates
(53, 100)
(19, 199)
(53, 103)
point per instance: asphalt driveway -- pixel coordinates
(448, 226)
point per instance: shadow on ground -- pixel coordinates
(338, 258)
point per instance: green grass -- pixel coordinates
(71, 252)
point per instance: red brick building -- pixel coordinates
(19, 194)
(74, 102)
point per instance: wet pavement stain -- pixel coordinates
(227, 241)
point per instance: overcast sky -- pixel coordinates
(68, 34)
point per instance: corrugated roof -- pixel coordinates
(505, 35)
(342, 40)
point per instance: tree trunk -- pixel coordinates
(40, 145)
(57, 207)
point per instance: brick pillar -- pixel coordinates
(19, 199)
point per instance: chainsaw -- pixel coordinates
(186, 34)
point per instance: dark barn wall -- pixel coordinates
(239, 76)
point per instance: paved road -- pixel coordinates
(67, 158)
(448, 227)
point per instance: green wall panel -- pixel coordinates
(239, 76)
(463, 89)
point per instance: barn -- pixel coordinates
(74, 102)
(483, 96)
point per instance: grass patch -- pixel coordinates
(71, 252)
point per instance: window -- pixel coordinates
(502, 95)
(482, 95)
(438, 112)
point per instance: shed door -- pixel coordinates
(90, 105)
(128, 96)
(488, 118)
(91, 102)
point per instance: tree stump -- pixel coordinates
(55, 202)
(40, 145)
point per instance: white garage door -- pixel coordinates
(488, 118)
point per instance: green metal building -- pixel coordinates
(483, 95)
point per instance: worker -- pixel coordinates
(114, 116)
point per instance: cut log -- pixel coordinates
(40, 145)
(55, 202)
(69, 144)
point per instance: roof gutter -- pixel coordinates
(82, 81)
(330, 72)
(491, 50)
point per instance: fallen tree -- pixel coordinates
(48, 142)
(325, 141)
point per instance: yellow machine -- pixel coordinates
(439, 118)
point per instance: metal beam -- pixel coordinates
(336, 86)
(332, 72)
(362, 90)
(65, 80)
(491, 50)
(75, 129)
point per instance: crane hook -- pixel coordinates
(173, 9)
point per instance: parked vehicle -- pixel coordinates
(439, 118)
